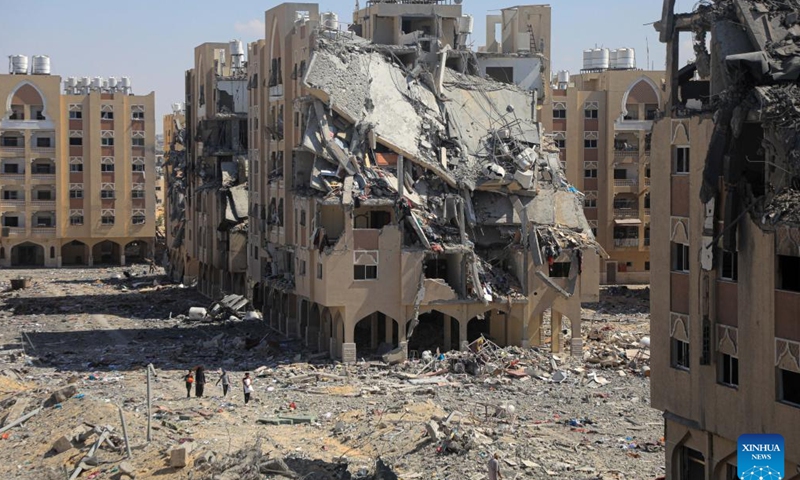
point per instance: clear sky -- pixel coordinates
(153, 41)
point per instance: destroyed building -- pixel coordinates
(726, 262)
(404, 202)
(213, 178)
(175, 196)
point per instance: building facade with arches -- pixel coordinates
(77, 173)
(602, 122)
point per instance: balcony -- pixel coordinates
(43, 204)
(43, 231)
(647, 181)
(276, 92)
(626, 153)
(626, 242)
(12, 178)
(16, 151)
(626, 213)
(12, 202)
(44, 150)
(13, 231)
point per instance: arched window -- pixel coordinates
(52, 252)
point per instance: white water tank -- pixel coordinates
(588, 63)
(18, 64)
(125, 85)
(523, 41)
(600, 58)
(112, 83)
(466, 24)
(626, 59)
(40, 65)
(97, 83)
(563, 76)
(330, 20)
(612, 59)
(236, 47)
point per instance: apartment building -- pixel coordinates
(726, 267)
(602, 121)
(211, 240)
(372, 233)
(77, 169)
(175, 177)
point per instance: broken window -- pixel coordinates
(680, 257)
(789, 273)
(681, 160)
(436, 268)
(76, 220)
(693, 465)
(11, 168)
(560, 269)
(107, 115)
(107, 220)
(590, 142)
(75, 141)
(789, 387)
(620, 174)
(680, 354)
(728, 370)
(589, 203)
(11, 221)
(561, 143)
(730, 266)
(138, 219)
(590, 173)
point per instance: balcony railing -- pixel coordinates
(42, 176)
(12, 177)
(626, 182)
(38, 149)
(13, 231)
(43, 203)
(647, 181)
(626, 242)
(647, 211)
(43, 230)
(12, 202)
(13, 151)
(626, 212)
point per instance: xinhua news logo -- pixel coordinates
(760, 457)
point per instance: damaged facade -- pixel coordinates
(402, 202)
(726, 174)
(210, 177)
(175, 195)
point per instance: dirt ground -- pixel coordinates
(98, 329)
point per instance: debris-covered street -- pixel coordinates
(90, 334)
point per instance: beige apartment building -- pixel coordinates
(725, 224)
(77, 169)
(355, 261)
(602, 121)
(209, 234)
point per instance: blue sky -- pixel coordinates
(152, 41)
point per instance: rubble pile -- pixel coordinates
(439, 416)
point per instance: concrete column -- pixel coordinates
(555, 331)
(389, 330)
(448, 341)
(576, 342)
(122, 259)
(59, 261)
(349, 352)
(373, 330)
(462, 335)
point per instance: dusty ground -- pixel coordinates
(96, 330)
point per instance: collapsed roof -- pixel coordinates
(755, 57)
(436, 143)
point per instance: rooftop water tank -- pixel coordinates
(626, 59)
(40, 65)
(112, 83)
(523, 41)
(563, 76)
(600, 58)
(236, 47)
(18, 64)
(612, 59)
(71, 82)
(97, 83)
(330, 20)
(466, 24)
(587, 60)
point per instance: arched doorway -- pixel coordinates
(479, 326)
(136, 252)
(27, 254)
(434, 330)
(106, 253)
(75, 253)
(375, 334)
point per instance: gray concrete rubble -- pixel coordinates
(463, 161)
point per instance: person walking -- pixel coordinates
(226, 382)
(189, 379)
(494, 467)
(247, 383)
(200, 382)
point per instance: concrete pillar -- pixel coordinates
(349, 352)
(122, 259)
(59, 261)
(448, 341)
(389, 330)
(373, 330)
(463, 344)
(555, 331)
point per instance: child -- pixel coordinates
(189, 379)
(247, 383)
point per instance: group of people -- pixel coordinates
(197, 377)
